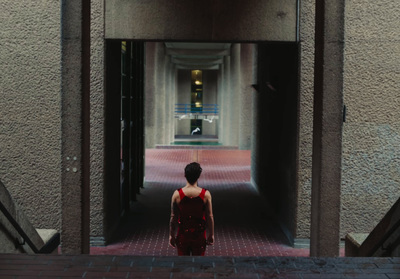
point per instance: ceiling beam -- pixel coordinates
(197, 67)
(196, 61)
(197, 52)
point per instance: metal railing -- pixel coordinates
(210, 109)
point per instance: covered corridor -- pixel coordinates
(244, 225)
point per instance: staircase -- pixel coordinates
(17, 235)
(383, 241)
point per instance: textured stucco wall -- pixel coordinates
(97, 104)
(371, 134)
(305, 121)
(30, 125)
(370, 166)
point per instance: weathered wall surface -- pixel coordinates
(371, 134)
(97, 104)
(30, 116)
(305, 121)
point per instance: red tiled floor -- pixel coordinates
(243, 225)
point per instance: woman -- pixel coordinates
(191, 216)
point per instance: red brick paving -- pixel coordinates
(243, 229)
(243, 224)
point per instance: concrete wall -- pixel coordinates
(371, 134)
(305, 118)
(30, 127)
(97, 104)
(370, 172)
(30, 114)
(160, 93)
(248, 69)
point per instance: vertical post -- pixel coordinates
(327, 130)
(75, 123)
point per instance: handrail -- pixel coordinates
(33, 240)
(192, 108)
(18, 228)
(385, 237)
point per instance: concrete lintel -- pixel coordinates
(197, 67)
(198, 52)
(189, 61)
(206, 20)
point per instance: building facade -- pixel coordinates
(267, 80)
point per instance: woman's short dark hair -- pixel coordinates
(192, 172)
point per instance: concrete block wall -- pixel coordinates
(30, 102)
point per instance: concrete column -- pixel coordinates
(327, 131)
(75, 98)
(150, 95)
(234, 96)
(160, 85)
(225, 99)
(171, 102)
(220, 101)
(183, 93)
(210, 96)
(247, 73)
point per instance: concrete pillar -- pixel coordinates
(220, 101)
(247, 73)
(183, 93)
(171, 101)
(150, 95)
(209, 97)
(225, 100)
(171, 97)
(75, 121)
(159, 85)
(234, 96)
(327, 131)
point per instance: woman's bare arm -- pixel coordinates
(174, 219)
(210, 218)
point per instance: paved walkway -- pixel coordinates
(243, 223)
(248, 243)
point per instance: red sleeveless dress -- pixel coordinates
(191, 237)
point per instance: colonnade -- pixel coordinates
(231, 90)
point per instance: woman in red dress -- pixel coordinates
(191, 216)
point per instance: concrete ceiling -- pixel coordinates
(197, 56)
